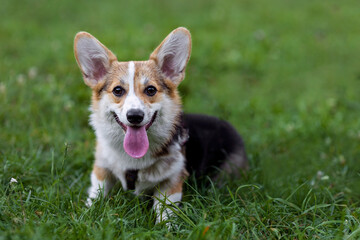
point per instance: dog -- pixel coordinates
(144, 140)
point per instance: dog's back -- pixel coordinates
(213, 144)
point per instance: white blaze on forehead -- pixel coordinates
(131, 77)
(132, 101)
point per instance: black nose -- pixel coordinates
(135, 116)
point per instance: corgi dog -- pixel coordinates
(143, 139)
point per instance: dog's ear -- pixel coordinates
(93, 58)
(173, 54)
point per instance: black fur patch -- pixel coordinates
(131, 177)
(211, 142)
(178, 134)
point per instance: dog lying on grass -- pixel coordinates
(144, 140)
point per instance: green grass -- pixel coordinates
(285, 73)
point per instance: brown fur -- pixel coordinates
(143, 68)
(178, 186)
(100, 173)
(102, 73)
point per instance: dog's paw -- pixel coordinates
(163, 214)
(168, 217)
(89, 202)
(171, 226)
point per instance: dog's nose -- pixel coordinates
(135, 116)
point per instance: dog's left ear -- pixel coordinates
(93, 58)
(173, 54)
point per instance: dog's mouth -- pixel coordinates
(124, 127)
(136, 143)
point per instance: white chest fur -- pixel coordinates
(151, 171)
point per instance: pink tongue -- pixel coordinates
(136, 142)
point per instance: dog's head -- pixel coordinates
(137, 101)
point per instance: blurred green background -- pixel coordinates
(285, 73)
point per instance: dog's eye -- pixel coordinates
(150, 91)
(118, 91)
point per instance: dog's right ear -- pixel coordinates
(173, 54)
(93, 58)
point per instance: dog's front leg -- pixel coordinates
(101, 181)
(166, 198)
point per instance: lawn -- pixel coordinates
(286, 74)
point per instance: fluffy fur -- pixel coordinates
(178, 143)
